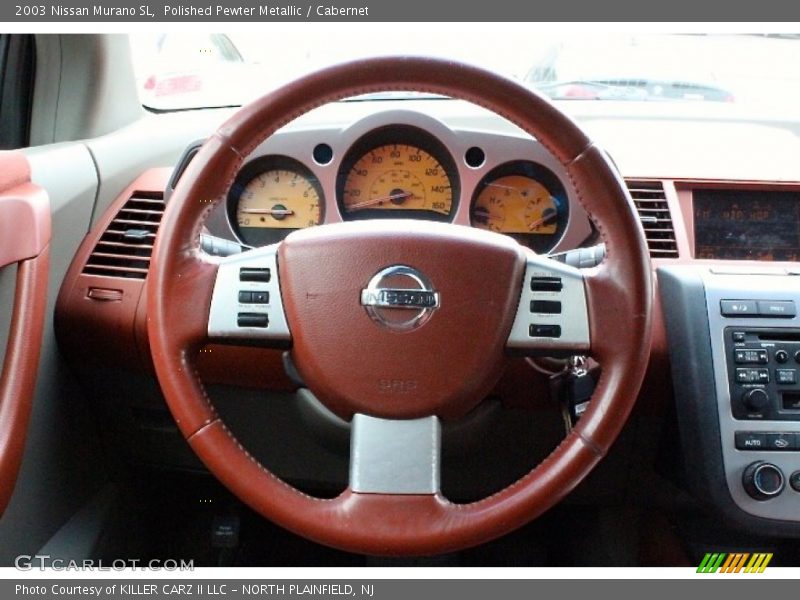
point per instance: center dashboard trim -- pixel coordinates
(690, 298)
(785, 506)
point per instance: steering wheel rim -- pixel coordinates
(618, 298)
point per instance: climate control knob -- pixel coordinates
(763, 480)
(755, 400)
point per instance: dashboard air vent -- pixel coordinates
(651, 203)
(125, 247)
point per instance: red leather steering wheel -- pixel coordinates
(335, 294)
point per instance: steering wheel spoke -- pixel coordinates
(246, 301)
(552, 315)
(391, 456)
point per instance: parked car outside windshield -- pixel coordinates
(184, 71)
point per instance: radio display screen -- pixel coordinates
(747, 225)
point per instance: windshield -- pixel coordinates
(183, 71)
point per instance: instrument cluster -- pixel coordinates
(402, 170)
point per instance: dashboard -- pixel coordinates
(715, 236)
(401, 165)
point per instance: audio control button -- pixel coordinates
(736, 308)
(750, 356)
(756, 400)
(786, 376)
(776, 308)
(752, 375)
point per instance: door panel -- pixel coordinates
(61, 463)
(24, 239)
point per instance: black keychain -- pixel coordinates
(573, 388)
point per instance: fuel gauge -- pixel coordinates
(523, 200)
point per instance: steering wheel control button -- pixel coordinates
(545, 330)
(546, 307)
(246, 297)
(781, 356)
(786, 376)
(752, 375)
(738, 308)
(254, 274)
(400, 287)
(794, 481)
(749, 440)
(756, 400)
(546, 284)
(252, 320)
(246, 302)
(763, 480)
(552, 314)
(781, 442)
(777, 308)
(750, 357)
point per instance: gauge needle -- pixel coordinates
(522, 191)
(501, 186)
(541, 221)
(374, 201)
(275, 212)
(489, 217)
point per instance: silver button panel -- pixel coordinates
(227, 311)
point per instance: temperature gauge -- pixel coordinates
(523, 200)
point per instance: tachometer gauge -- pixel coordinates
(524, 200)
(272, 197)
(397, 173)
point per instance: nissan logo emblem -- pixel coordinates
(404, 288)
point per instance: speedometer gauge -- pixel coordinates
(272, 197)
(398, 172)
(523, 200)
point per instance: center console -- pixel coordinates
(734, 337)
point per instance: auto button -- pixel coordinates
(749, 440)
